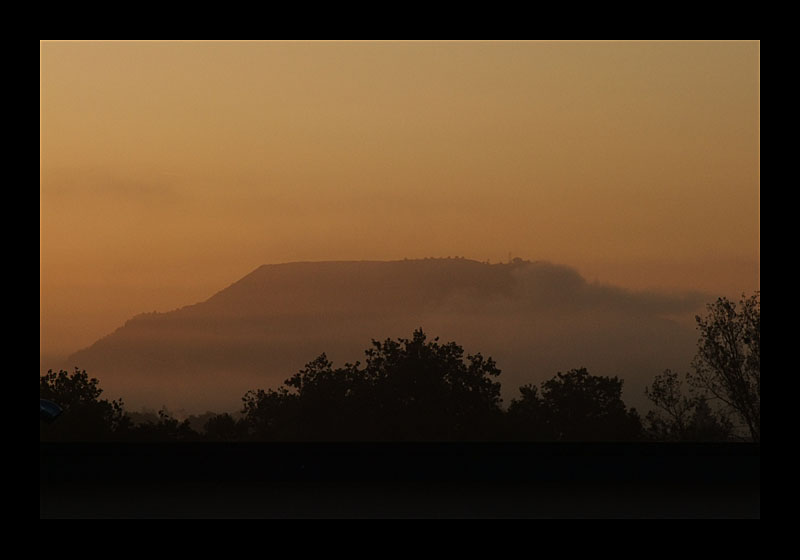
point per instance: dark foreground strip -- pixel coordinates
(399, 480)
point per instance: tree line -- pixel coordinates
(419, 389)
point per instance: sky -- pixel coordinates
(169, 170)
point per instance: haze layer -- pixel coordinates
(534, 319)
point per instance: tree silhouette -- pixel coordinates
(316, 403)
(527, 418)
(408, 389)
(270, 415)
(575, 406)
(85, 416)
(708, 425)
(427, 390)
(728, 360)
(666, 393)
(682, 417)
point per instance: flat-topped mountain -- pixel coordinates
(534, 318)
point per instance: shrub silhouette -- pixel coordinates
(223, 427)
(167, 428)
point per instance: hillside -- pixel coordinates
(534, 318)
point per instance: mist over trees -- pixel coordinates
(423, 390)
(532, 318)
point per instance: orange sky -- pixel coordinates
(170, 170)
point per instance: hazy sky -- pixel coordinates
(170, 170)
